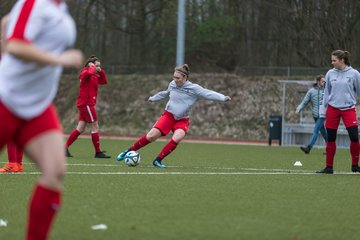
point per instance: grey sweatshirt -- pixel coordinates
(181, 99)
(342, 88)
(314, 95)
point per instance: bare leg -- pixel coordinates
(46, 150)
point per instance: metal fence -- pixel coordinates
(286, 72)
(297, 130)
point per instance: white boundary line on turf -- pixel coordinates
(183, 167)
(151, 166)
(264, 171)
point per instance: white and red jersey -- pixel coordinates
(89, 82)
(27, 88)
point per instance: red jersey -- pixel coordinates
(89, 81)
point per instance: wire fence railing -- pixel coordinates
(287, 72)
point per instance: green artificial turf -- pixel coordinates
(208, 191)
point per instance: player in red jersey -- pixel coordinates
(38, 37)
(15, 154)
(90, 77)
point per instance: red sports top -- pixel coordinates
(89, 81)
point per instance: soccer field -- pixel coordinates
(208, 191)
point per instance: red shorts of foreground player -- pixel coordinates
(167, 123)
(333, 116)
(20, 131)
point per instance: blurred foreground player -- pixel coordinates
(38, 34)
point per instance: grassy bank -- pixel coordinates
(123, 108)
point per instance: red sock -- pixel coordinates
(12, 154)
(96, 141)
(330, 153)
(168, 149)
(72, 138)
(19, 155)
(43, 207)
(142, 142)
(354, 150)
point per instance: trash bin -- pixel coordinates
(275, 126)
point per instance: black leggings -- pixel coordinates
(352, 131)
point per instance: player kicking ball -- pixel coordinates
(182, 95)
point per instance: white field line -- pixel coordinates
(170, 167)
(238, 171)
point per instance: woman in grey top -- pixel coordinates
(314, 95)
(341, 91)
(182, 95)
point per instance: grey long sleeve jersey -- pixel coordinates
(181, 99)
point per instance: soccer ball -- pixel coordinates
(132, 158)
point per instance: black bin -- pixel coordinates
(275, 126)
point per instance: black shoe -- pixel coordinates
(326, 170)
(355, 168)
(67, 153)
(101, 155)
(305, 149)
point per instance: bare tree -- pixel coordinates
(221, 35)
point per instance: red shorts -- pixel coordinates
(167, 123)
(333, 116)
(87, 113)
(21, 131)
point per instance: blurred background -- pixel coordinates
(241, 48)
(288, 37)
